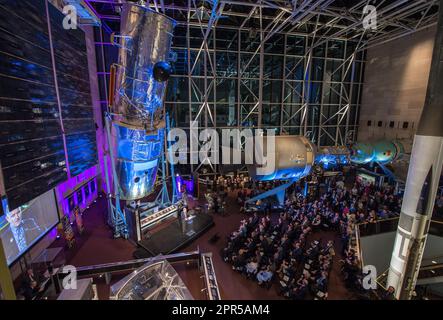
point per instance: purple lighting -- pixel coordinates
(184, 184)
(71, 188)
(104, 25)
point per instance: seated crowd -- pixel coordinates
(364, 205)
(264, 250)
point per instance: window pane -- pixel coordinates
(295, 45)
(275, 44)
(336, 49)
(250, 69)
(227, 39)
(331, 93)
(320, 50)
(198, 90)
(333, 70)
(226, 64)
(273, 67)
(291, 115)
(313, 115)
(315, 92)
(250, 40)
(226, 115)
(272, 91)
(271, 115)
(317, 69)
(249, 90)
(249, 116)
(198, 63)
(180, 67)
(177, 90)
(179, 39)
(226, 90)
(180, 112)
(294, 68)
(293, 92)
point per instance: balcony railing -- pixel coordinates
(430, 267)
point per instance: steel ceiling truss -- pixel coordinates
(395, 18)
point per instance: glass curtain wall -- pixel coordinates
(288, 85)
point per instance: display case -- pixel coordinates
(153, 281)
(142, 219)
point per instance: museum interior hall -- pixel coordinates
(221, 150)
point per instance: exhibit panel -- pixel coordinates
(22, 227)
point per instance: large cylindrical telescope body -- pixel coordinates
(137, 113)
(293, 156)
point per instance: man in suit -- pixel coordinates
(32, 286)
(19, 234)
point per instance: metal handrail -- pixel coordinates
(432, 267)
(358, 249)
(357, 238)
(382, 280)
(133, 264)
(378, 221)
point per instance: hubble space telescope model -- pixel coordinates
(137, 103)
(295, 156)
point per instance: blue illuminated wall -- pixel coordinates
(33, 157)
(31, 143)
(80, 191)
(71, 65)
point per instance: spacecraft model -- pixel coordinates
(382, 151)
(295, 156)
(135, 121)
(293, 159)
(138, 124)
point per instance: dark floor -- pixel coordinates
(97, 246)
